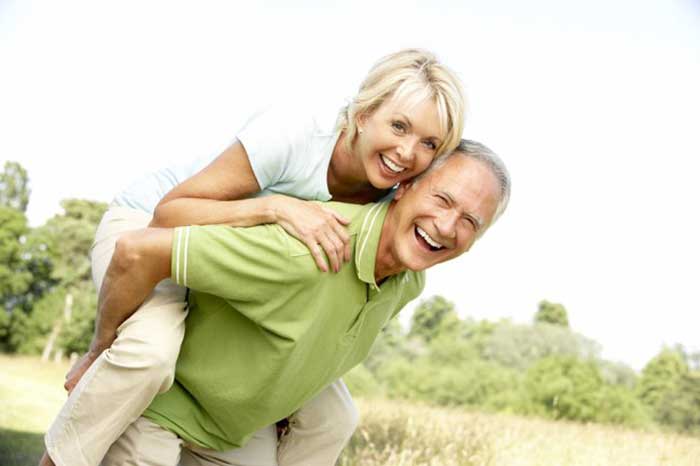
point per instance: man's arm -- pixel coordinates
(141, 259)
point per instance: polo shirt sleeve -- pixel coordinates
(245, 265)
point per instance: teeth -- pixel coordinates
(428, 239)
(392, 166)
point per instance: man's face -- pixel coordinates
(440, 216)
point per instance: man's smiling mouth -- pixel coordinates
(432, 244)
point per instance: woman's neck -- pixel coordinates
(347, 180)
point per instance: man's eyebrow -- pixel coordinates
(477, 221)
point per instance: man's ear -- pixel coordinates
(403, 187)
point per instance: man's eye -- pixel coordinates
(442, 199)
(471, 222)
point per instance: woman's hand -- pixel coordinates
(320, 228)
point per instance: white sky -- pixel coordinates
(595, 107)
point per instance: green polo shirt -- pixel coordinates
(267, 330)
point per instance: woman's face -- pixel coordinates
(398, 141)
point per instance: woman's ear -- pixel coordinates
(360, 121)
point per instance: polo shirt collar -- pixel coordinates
(368, 242)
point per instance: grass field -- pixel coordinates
(391, 433)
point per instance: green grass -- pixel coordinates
(391, 433)
(31, 393)
(20, 448)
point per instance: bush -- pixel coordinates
(563, 387)
(361, 382)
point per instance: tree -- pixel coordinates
(520, 346)
(433, 316)
(660, 377)
(68, 237)
(617, 373)
(564, 387)
(14, 187)
(680, 406)
(388, 345)
(619, 405)
(41, 271)
(14, 277)
(552, 313)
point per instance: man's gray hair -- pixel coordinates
(480, 152)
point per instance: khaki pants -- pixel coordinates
(123, 381)
(145, 443)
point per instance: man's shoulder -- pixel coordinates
(356, 213)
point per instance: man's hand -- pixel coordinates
(81, 365)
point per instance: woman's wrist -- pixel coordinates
(273, 208)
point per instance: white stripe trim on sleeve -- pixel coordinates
(184, 267)
(177, 256)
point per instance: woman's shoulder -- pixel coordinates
(304, 115)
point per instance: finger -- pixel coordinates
(337, 240)
(344, 237)
(332, 251)
(340, 218)
(317, 254)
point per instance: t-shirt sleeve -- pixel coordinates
(271, 138)
(244, 265)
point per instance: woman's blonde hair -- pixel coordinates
(411, 75)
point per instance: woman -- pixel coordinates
(408, 111)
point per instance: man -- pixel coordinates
(267, 331)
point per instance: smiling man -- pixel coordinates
(267, 330)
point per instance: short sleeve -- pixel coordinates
(245, 265)
(271, 138)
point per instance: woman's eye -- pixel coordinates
(430, 145)
(398, 126)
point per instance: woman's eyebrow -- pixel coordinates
(405, 117)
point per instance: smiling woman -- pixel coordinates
(399, 140)
(408, 111)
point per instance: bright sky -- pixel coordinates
(594, 106)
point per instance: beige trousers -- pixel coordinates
(125, 378)
(144, 443)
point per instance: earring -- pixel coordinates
(360, 130)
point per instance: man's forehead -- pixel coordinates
(464, 179)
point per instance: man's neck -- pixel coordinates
(385, 264)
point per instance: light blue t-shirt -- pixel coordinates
(289, 152)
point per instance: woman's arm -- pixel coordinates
(216, 195)
(219, 194)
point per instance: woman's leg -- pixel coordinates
(319, 431)
(125, 378)
(144, 443)
(261, 450)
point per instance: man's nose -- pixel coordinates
(446, 224)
